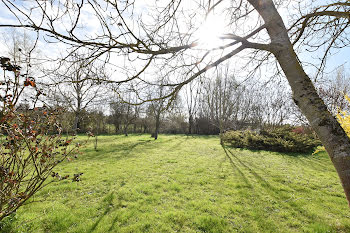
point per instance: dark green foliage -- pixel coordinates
(281, 139)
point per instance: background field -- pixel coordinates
(187, 184)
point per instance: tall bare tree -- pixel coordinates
(222, 96)
(76, 85)
(334, 89)
(165, 33)
(157, 107)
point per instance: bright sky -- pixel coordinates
(208, 35)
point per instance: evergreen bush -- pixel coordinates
(280, 139)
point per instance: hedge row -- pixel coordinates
(282, 139)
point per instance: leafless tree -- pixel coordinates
(164, 36)
(222, 96)
(334, 89)
(123, 113)
(21, 48)
(98, 122)
(157, 107)
(75, 84)
(273, 104)
(116, 108)
(191, 96)
(131, 112)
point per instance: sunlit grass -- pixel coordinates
(187, 184)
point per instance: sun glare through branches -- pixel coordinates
(210, 32)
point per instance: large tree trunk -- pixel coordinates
(305, 96)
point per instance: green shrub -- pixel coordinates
(281, 139)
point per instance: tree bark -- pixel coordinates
(305, 95)
(126, 129)
(190, 124)
(157, 126)
(76, 126)
(116, 128)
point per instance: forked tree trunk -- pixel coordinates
(305, 95)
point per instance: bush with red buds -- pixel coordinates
(31, 140)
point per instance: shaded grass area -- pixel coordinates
(187, 184)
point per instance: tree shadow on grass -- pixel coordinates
(111, 228)
(123, 150)
(8, 224)
(309, 157)
(120, 146)
(108, 207)
(257, 151)
(231, 155)
(270, 189)
(202, 136)
(177, 144)
(235, 167)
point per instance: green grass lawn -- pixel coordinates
(187, 184)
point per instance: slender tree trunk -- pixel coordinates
(76, 126)
(95, 144)
(116, 126)
(77, 119)
(305, 95)
(190, 124)
(126, 129)
(104, 127)
(157, 126)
